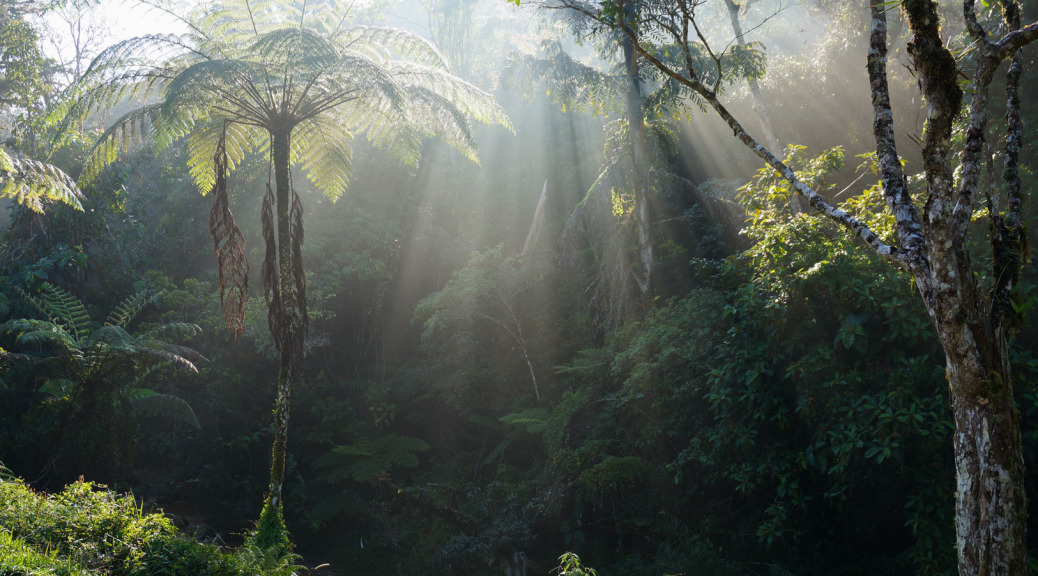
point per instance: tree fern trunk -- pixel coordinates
(271, 530)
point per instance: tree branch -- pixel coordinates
(895, 186)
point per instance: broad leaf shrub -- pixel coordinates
(85, 529)
(797, 389)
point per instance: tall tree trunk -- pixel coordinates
(990, 504)
(974, 327)
(636, 125)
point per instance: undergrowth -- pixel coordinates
(86, 529)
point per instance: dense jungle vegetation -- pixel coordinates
(546, 304)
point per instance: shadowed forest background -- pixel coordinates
(494, 374)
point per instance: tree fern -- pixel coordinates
(90, 370)
(367, 458)
(294, 81)
(153, 404)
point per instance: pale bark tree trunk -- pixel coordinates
(534, 235)
(636, 125)
(759, 106)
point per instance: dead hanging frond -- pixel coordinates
(286, 301)
(298, 275)
(271, 281)
(229, 247)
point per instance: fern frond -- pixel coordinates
(384, 43)
(156, 341)
(130, 130)
(300, 50)
(61, 308)
(322, 147)
(131, 70)
(468, 98)
(164, 355)
(206, 80)
(57, 387)
(41, 333)
(534, 419)
(239, 141)
(172, 330)
(143, 376)
(435, 116)
(129, 308)
(366, 458)
(30, 182)
(112, 337)
(165, 406)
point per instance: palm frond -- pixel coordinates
(30, 182)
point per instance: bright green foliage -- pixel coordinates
(17, 557)
(298, 83)
(271, 535)
(86, 529)
(570, 565)
(29, 183)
